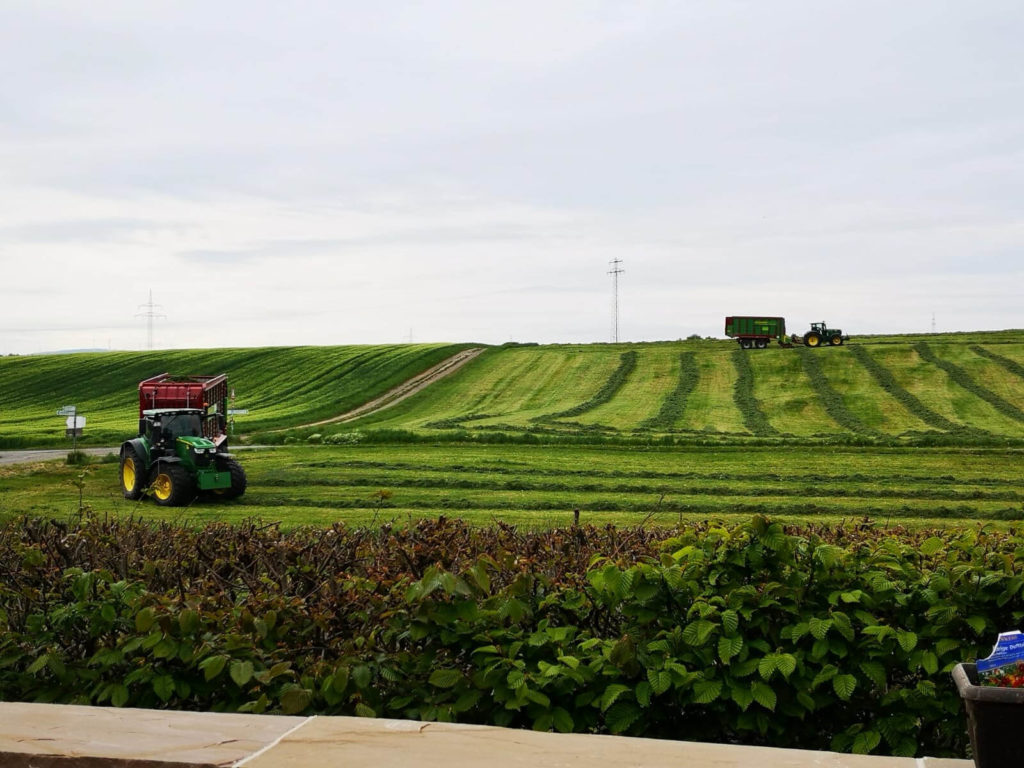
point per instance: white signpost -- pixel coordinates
(233, 411)
(75, 424)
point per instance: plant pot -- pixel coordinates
(995, 719)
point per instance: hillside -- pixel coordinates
(964, 387)
(279, 386)
(952, 388)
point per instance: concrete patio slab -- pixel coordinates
(364, 743)
(64, 736)
(58, 736)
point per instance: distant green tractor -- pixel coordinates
(181, 449)
(820, 334)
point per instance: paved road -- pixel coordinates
(23, 457)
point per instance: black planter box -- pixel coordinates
(995, 719)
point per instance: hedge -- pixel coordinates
(819, 637)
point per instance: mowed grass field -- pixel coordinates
(539, 486)
(882, 390)
(918, 430)
(279, 386)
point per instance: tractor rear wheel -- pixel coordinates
(172, 486)
(812, 339)
(238, 479)
(133, 473)
(836, 340)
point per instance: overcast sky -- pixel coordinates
(347, 172)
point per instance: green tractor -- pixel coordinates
(182, 448)
(820, 334)
(173, 461)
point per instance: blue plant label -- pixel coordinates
(1009, 649)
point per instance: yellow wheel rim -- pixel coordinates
(162, 486)
(812, 341)
(128, 474)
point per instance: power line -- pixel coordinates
(150, 315)
(615, 271)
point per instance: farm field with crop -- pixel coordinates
(539, 486)
(873, 391)
(927, 428)
(279, 386)
(947, 388)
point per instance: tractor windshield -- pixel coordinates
(182, 425)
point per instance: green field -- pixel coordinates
(801, 394)
(927, 428)
(279, 386)
(541, 485)
(883, 390)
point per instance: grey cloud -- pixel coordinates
(285, 249)
(78, 230)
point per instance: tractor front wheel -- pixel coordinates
(812, 339)
(172, 486)
(133, 473)
(836, 340)
(238, 480)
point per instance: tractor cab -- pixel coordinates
(163, 426)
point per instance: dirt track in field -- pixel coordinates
(402, 391)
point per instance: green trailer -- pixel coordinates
(756, 331)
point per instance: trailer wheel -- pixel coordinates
(746, 343)
(133, 472)
(762, 343)
(812, 339)
(171, 485)
(238, 480)
(836, 340)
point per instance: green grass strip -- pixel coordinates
(644, 489)
(743, 395)
(831, 479)
(672, 407)
(888, 382)
(627, 362)
(831, 399)
(961, 377)
(1011, 365)
(465, 507)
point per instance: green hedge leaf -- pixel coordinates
(241, 672)
(446, 678)
(844, 685)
